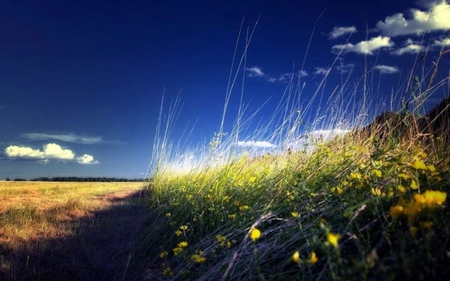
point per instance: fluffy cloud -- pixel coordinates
(365, 47)
(259, 144)
(255, 71)
(86, 159)
(411, 49)
(386, 69)
(435, 18)
(341, 31)
(49, 151)
(63, 137)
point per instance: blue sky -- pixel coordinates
(81, 81)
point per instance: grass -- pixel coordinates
(67, 231)
(368, 204)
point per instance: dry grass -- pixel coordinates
(46, 227)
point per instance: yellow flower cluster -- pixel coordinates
(428, 199)
(177, 250)
(198, 258)
(168, 272)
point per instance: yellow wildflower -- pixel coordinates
(178, 232)
(333, 239)
(244, 208)
(313, 259)
(401, 188)
(168, 272)
(184, 227)
(252, 179)
(168, 214)
(376, 173)
(163, 254)
(403, 176)
(355, 176)
(255, 234)
(396, 211)
(431, 168)
(375, 191)
(412, 210)
(232, 216)
(414, 185)
(296, 257)
(198, 258)
(295, 214)
(434, 197)
(419, 165)
(177, 251)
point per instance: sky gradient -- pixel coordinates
(81, 82)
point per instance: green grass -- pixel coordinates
(366, 205)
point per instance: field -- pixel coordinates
(68, 231)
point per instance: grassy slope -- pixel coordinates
(67, 231)
(369, 205)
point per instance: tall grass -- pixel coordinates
(362, 201)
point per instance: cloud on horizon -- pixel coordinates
(63, 137)
(435, 18)
(341, 31)
(50, 151)
(257, 144)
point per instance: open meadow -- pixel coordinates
(68, 230)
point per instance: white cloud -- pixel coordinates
(326, 134)
(409, 49)
(341, 31)
(435, 18)
(50, 151)
(259, 144)
(321, 70)
(386, 69)
(442, 42)
(86, 159)
(64, 137)
(365, 47)
(255, 71)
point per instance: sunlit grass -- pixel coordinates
(368, 204)
(38, 220)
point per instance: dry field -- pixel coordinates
(68, 230)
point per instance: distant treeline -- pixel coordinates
(79, 179)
